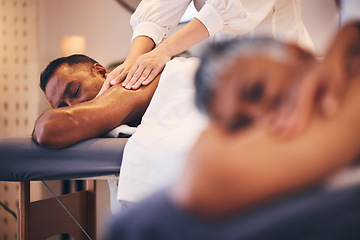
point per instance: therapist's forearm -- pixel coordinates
(191, 34)
(139, 46)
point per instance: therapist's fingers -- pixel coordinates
(113, 78)
(329, 102)
(297, 105)
(152, 75)
(133, 76)
(119, 78)
(145, 74)
(104, 87)
(149, 75)
(319, 90)
(129, 75)
(337, 79)
(303, 105)
(322, 89)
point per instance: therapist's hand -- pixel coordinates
(146, 68)
(324, 86)
(320, 90)
(316, 92)
(139, 46)
(116, 76)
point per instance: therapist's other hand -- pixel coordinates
(146, 68)
(281, 95)
(321, 90)
(323, 87)
(116, 76)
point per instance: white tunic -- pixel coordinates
(155, 154)
(280, 19)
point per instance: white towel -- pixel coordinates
(122, 129)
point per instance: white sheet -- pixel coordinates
(155, 154)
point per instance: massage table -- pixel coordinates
(23, 160)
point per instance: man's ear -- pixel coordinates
(100, 69)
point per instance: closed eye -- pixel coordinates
(62, 105)
(74, 89)
(239, 122)
(77, 91)
(253, 93)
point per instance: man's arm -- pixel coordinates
(62, 127)
(228, 172)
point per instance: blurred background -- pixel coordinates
(34, 32)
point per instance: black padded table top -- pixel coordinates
(21, 159)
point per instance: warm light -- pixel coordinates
(72, 45)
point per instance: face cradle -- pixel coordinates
(251, 88)
(72, 85)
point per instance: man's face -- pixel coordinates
(251, 88)
(72, 85)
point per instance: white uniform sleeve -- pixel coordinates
(156, 18)
(234, 16)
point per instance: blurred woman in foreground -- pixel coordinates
(237, 165)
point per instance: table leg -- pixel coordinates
(24, 211)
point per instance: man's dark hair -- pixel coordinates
(70, 60)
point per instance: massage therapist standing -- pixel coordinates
(221, 19)
(152, 48)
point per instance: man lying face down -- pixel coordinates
(71, 85)
(229, 171)
(74, 80)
